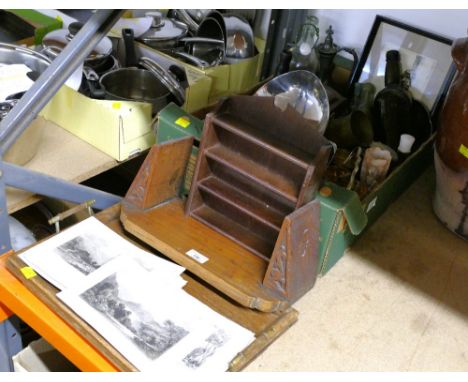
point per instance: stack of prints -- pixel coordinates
(135, 300)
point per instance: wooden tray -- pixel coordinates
(266, 326)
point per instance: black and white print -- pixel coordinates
(85, 253)
(152, 337)
(199, 355)
(76, 253)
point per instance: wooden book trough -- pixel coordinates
(250, 226)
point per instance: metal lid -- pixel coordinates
(163, 29)
(166, 77)
(54, 42)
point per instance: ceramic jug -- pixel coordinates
(451, 153)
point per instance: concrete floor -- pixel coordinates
(397, 300)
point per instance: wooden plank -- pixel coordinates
(63, 155)
(266, 326)
(231, 269)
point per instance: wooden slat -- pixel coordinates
(249, 133)
(234, 230)
(257, 173)
(252, 206)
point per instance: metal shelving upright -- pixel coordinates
(14, 124)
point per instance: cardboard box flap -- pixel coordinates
(118, 128)
(346, 201)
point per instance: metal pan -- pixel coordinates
(134, 84)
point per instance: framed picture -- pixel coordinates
(425, 55)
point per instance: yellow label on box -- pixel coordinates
(28, 272)
(183, 122)
(116, 105)
(463, 150)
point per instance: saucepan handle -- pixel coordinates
(205, 40)
(129, 41)
(193, 60)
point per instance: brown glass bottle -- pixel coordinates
(392, 105)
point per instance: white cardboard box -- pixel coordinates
(40, 356)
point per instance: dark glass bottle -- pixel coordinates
(392, 105)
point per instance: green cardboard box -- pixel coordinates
(343, 216)
(175, 123)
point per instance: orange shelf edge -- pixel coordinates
(17, 299)
(5, 313)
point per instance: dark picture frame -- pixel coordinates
(426, 55)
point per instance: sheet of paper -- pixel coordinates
(154, 328)
(68, 257)
(208, 350)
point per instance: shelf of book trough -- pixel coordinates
(93, 346)
(62, 155)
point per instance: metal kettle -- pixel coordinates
(327, 52)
